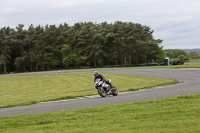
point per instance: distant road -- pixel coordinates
(190, 85)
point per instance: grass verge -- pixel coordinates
(30, 89)
(175, 114)
(187, 65)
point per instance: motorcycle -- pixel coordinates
(105, 89)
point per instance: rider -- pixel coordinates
(99, 76)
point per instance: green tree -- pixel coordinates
(118, 29)
(53, 45)
(5, 47)
(20, 39)
(108, 41)
(29, 41)
(193, 54)
(86, 44)
(40, 48)
(39, 51)
(155, 52)
(70, 58)
(182, 58)
(175, 53)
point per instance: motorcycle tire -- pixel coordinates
(114, 91)
(101, 92)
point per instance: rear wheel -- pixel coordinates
(114, 91)
(101, 92)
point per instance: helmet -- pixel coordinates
(96, 73)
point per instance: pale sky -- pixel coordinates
(176, 22)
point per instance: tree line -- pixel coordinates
(182, 54)
(83, 44)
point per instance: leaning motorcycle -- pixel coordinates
(105, 89)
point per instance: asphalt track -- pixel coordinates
(190, 84)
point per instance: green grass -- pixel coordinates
(193, 61)
(176, 114)
(179, 66)
(30, 89)
(191, 64)
(186, 65)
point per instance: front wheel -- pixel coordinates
(101, 92)
(114, 91)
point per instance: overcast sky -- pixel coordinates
(176, 22)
